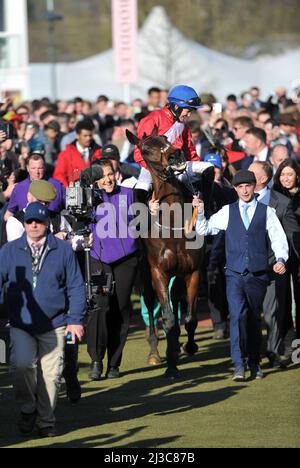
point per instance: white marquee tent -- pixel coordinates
(166, 57)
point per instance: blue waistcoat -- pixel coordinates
(247, 250)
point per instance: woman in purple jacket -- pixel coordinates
(114, 251)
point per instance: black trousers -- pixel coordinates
(295, 270)
(108, 324)
(217, 299)
(277, 311)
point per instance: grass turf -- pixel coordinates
(204, 408)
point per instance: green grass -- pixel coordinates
(142, 409)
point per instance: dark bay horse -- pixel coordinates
(171, 256)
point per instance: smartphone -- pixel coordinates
(69, 340)
(8, 129)
(217, 108)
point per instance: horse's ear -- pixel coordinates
(133, 139)
(154, 132)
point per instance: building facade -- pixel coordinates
(14, 54)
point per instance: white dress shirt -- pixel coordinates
(219, 222)
(262, 156)
(262, 193)
(84, 152)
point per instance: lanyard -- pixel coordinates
(37, 262)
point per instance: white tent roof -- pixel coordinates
(166, 57)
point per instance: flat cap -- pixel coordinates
(244, 177)
(43, 190)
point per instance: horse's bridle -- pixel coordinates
(167, 172)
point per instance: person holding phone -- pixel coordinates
(40, 316)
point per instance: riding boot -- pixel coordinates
(141, 196)
(205, 188)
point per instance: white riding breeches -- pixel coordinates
(193, 170)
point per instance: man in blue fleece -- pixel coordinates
(46, 300)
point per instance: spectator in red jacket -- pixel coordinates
(78, 155)
(236, 150)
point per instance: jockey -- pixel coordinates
(171, 121)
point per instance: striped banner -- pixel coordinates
(124, 17)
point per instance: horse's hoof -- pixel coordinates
(190, 348)
(154, 359)
(172, 374)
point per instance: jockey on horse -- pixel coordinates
(171, 121)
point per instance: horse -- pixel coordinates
(169, 257)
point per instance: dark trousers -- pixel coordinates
(217, 299)
(295, 271)
(277, 311)
(245, 295)
(108, 325)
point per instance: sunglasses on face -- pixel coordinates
(37, 221)
(222, 129)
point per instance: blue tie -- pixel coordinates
(245, 216)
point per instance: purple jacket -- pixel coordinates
(112, 241)
(18, 200)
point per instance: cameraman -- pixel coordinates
(108, 325)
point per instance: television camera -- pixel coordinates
(82, 199)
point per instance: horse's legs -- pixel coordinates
(192, 283)
(176, 293)
(161, 283)
(149, 299)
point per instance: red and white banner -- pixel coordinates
(124, 17)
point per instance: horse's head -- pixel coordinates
(161, 157)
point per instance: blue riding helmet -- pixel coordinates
(184, 97)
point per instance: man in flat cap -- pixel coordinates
(44, 192)
(248, 226)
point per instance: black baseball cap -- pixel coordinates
(110, 152)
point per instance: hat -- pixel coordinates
(43, 190)
(244, 177)
(214, 159)
(36, 211)
(36, 147)
(111, 152)
(287, 119)
(52, 125)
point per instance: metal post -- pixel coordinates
(51, 19)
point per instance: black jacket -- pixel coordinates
(285, 213)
